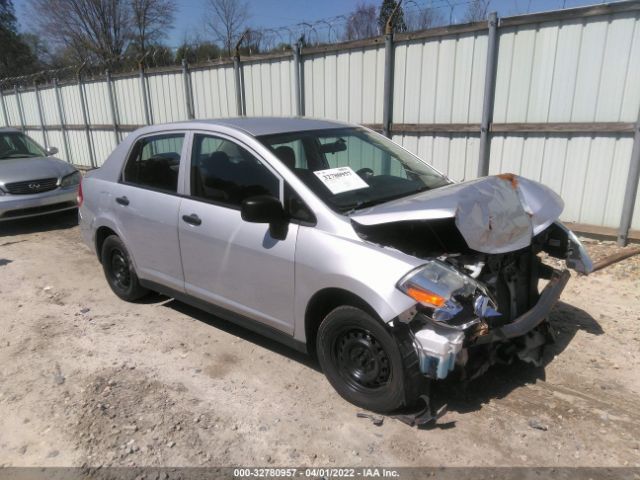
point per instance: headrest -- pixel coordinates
(287, 156)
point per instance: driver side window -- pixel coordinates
(226, 173)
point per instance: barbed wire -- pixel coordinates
(328, 30)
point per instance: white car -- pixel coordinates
(334, 240)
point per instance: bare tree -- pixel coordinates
(477, 10)
(362, 22)
(151, 19)
(98, 28)
(228, 21)
(423, 19)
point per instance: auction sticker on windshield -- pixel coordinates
(341, 179)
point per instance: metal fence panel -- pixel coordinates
(103, 144)
(70, 96)
(11, 104)
(30, 107)
(129, 102)
(440, 80)
(50, 114)
(569, 71)
(269, 88)
(345, 85)
(97, 99)
(166, 92)
(214, 92)
(79, 149)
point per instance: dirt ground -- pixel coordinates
(86, 379)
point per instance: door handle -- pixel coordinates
(192, 219)
(122, 201)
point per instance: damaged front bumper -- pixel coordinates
(441, 347)
(534, 317)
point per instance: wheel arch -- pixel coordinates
(323, 302)
(101, 235)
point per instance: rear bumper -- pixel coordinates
(534, 317)
(13, 207)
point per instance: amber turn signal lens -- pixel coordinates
(425, 296)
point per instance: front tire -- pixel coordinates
(118, 269)
(363, 361)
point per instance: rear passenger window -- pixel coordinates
(155, 162)
(224, 172)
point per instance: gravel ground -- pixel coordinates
(86, 379)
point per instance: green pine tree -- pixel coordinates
(386, 9)
(16, 58)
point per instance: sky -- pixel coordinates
(190, 22)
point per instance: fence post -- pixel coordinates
(298, 73)
(63, 126)
(188, 92)
(631, 191)
(489, 96)
(19, 105)
(241, 108)
(85, 119)
(4, 108)
(40, 117)
(112, 107)
(387, 105)
(145, 100)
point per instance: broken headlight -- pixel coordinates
(447, 296)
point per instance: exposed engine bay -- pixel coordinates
(477, 295)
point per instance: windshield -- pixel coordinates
(18, 145)
(351, 168)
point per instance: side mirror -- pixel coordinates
(262, 209)
(51, 151)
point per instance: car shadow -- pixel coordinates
(502, 379)
(236, 330)
(41, 223)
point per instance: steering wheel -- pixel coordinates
(365, 172)
(8, 152)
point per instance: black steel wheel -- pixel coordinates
(361, 360)
(119, 271)
(364, 362)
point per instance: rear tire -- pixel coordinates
(118, 269)
(363, 361)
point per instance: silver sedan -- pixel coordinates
(334, 240)
(32, 181)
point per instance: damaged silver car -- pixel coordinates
(335, 240)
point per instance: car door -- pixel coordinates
(227, 261)
(146, 205)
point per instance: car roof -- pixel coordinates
(257, 126)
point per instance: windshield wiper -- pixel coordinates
(370, 203)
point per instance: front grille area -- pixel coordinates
(37, 210)
(32, 186)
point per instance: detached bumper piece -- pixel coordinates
(532, 318)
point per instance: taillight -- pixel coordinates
(79, 198)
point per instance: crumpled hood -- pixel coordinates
(24, 169)
(495, 214)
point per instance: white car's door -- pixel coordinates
(227, 261)
(146, 204)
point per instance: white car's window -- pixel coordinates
(226, 173)
(154, 162)
(351, 168)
